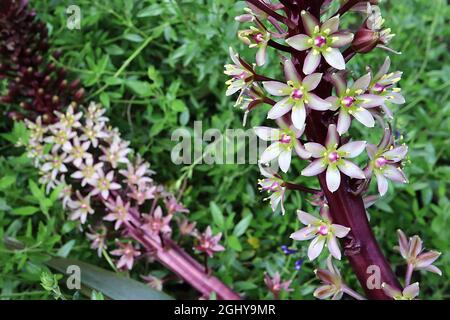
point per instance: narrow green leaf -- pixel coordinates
(217, 215)
(242, 226)
(25, 211)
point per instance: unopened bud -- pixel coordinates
(365, 40)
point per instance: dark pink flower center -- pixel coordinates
(378, 88)
(242, 76)
(274, 186)
(333, 156)
(348, 101)
(323, 230)
(259, 38)
(380, 162)
(285, 138)
(297, 94)
(320, 41)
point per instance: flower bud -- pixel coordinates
(365, 40)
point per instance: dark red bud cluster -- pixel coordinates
(365, 40)
(38, 87)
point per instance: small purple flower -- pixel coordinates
(321, 231)
(208, 243)
(333, 285)
(353, 101)
(173, 206)
(298, 264)
(127, 253)
(298, 95)
(275, 285)
(288, 251)
(156, 223)
(321, 40)
(273, 184)
(98, 239)
(385, 163)
(383, 84)
(332, 159)
(413, 253)
(241, 74)
(119, 212)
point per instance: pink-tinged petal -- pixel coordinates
(335, 104)
(275, 200)
(325, 276)
(433, 269)
(395, 174)
(316, 167)
(261, 55)
(316, 247)
(384, 68)
(397, 154)
(353, 149)
(396, 98)
(331, 25)
(234, 56)
(290, 72)
(340, 39)
(317, 103)
(312, 61)
(344, 122)
(390, 291)
(371, 100)
(309, 22)
(272, 152)
(284, 160)
(324, 292)
(280, 108)
(333, 247)
(350, 169)
(411, 291)
(306, 233)
(387, 111)
(339, 83)
(415, 246)
(332, 139)
(306, 218)
(334, 58)
(301, 151)
(382, 184)
(338, 295)
(312, 81)
(299, 42)
(371, 150)
(276, 88)
(267, 133)
(403, 244)
(425, 259)
(333, 178)
(339, 230)
(298, 115)
(316, 149)
(362, 83)
(365, 117)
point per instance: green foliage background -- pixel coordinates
(157, 65)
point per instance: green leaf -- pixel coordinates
(217, 215)
(7, 181)
(141, 88)
(64, 251)
(242, 226)
(25, 211)
(151, 11)
(234, 243)
(109, 283)
(37, 193)
(133, 37)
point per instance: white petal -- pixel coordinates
(284, 160)
(312, 81)
(382, 184)
(261, 55)
(276, 88)
(271, 152)
(340, 231)
(344, 122)
(290, 72)
(298, 115)
(316, 167)
(334, 58)
(307, 218)
(311, 63)
(317, 103)
(267, 133)
(316, 149)
(394, 174)
(362, 83)
(333, 178)
(352, 170)
(299, 42)
(280, 108)
(332, 138)
(353, 149)
(333, 247)
(315, 248)
(306, 233)
(365, 117)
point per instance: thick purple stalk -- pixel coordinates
(183, 265)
